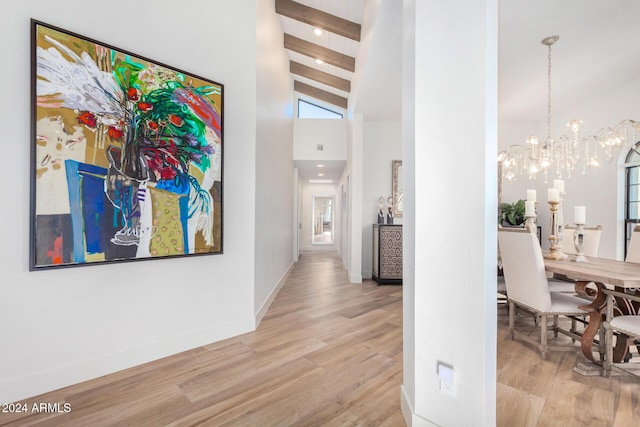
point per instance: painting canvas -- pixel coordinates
(126, 155)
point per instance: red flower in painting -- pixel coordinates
(88, 119)
(152, 125)
(175, 120)
(115, 133)
(145, 106)
(132, 94)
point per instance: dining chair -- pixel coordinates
(556, 284)
(633, 250)
(592, 236)
(626, 327)
(528, 289)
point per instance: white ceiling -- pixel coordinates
(309, 169)
(598, 49)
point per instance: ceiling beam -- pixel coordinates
(318, 52)
(320, 76)
(319, 19)
(320, 94)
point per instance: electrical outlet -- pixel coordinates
(447, 388)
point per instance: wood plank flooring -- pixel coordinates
(536, 392)
(327, 353)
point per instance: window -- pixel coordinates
(632, 193)
(308, 110)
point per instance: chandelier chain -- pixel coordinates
(549, 93)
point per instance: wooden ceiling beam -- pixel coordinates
(319, 19)
(318, 52)
(320, 76)
(320, 94)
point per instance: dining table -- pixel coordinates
(594, 279)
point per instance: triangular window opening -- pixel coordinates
(309, 110)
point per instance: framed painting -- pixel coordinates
(126, 157)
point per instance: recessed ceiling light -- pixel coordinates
(320, 166)
(320, 181)
(320, 174)
(318, 31)
(319, 61)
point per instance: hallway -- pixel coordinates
(327, 353)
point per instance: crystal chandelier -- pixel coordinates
(567, 152)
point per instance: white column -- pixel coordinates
(355, 264)
(450, 146)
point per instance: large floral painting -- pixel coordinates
(126, 155)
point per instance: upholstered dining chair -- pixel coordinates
(633, 250)
(592, 236)
(556, 284)
(528, 289)
(626, 327)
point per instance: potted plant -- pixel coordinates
(512, 214)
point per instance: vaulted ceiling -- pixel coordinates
(597, 51)
(322, 38)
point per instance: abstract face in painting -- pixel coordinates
(128, 155)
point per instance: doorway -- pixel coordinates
(322, 224)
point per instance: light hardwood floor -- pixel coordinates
(535, 392)
(327, 353)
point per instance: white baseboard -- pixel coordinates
(355, 278)
(410, 417)
(21, 388)
(265, 306)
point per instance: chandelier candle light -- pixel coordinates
(580, 219)
(567, 151)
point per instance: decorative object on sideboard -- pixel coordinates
(381, 210)
(390, 210)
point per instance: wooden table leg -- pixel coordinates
(595, 320)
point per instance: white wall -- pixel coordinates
(330, 133)
(600, 190)
(64, 326)
(324, 190)
(382, 145)
(274, 165)
(450, 282)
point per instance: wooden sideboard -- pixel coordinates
(387, 253)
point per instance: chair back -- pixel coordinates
(633, 250)
(523, 265)
(591, 244)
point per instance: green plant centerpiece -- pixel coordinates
(512, 213)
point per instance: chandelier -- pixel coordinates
(564, 153)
